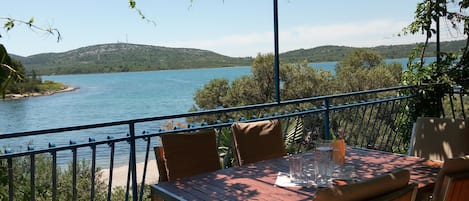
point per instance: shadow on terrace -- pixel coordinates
(113, 161)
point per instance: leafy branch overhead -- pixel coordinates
(10, 23)
(133, 5)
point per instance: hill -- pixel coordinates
(124, 57)
(337, 53)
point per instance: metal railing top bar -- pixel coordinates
(62, 148)
(343, 95)
(197, 113)
(369, 102)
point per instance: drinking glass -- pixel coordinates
(296, 169)
(348, 172)
(325, 169)
(310, 168)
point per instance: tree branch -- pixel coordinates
(11, 22)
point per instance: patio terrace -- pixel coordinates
(375, 119)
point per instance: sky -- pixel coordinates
(236, 28)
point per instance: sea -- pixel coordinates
(102, 98)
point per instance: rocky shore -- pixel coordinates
(21, 96)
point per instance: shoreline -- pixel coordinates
(29, 95)
(119, 174)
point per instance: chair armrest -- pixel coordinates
(454, 185)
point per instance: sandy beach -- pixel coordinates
(119, 177)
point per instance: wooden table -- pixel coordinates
(256, 181)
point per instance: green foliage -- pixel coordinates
(365, 70)
(10, 71)
(301, 81)
(213, 94)
(22, 84)
(361, 70)
(225, 149)
(361, 58)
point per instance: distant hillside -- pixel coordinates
(123, 57)
(337, 53)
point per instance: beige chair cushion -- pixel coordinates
(440, 139)
(371, 189)
(450, 166)
(190, 154)
(257, 141)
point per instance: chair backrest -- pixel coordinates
(440, 138)
(257, 141)
(454, 173)
(160, 163)
(187, 154)
(392, 186)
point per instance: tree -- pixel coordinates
(364, 70)
(263, 75)
(359, 58)
(213, 94)
(7, 72)
(301, 81)
(436, 78)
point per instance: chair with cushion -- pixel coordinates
(453, 180)
(187, 154)
(257, 141)
(439, 138)
(392, 186)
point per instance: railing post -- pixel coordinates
(326, 120)
(10, 176)
(32, 169)
(133, 162)
(276, 54)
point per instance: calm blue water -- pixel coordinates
(105, 98)
(110, 97)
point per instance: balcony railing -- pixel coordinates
(50, 169)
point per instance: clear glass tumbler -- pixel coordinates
(325, 163)
(296, 169)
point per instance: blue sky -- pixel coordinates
(228, 27)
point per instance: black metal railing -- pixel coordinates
(74, 169)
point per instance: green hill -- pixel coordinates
(123, 57)
(337, 53)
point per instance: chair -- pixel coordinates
(439, 138)
(453, 180)
(187, 154)
(257, 141)
(392, 186)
